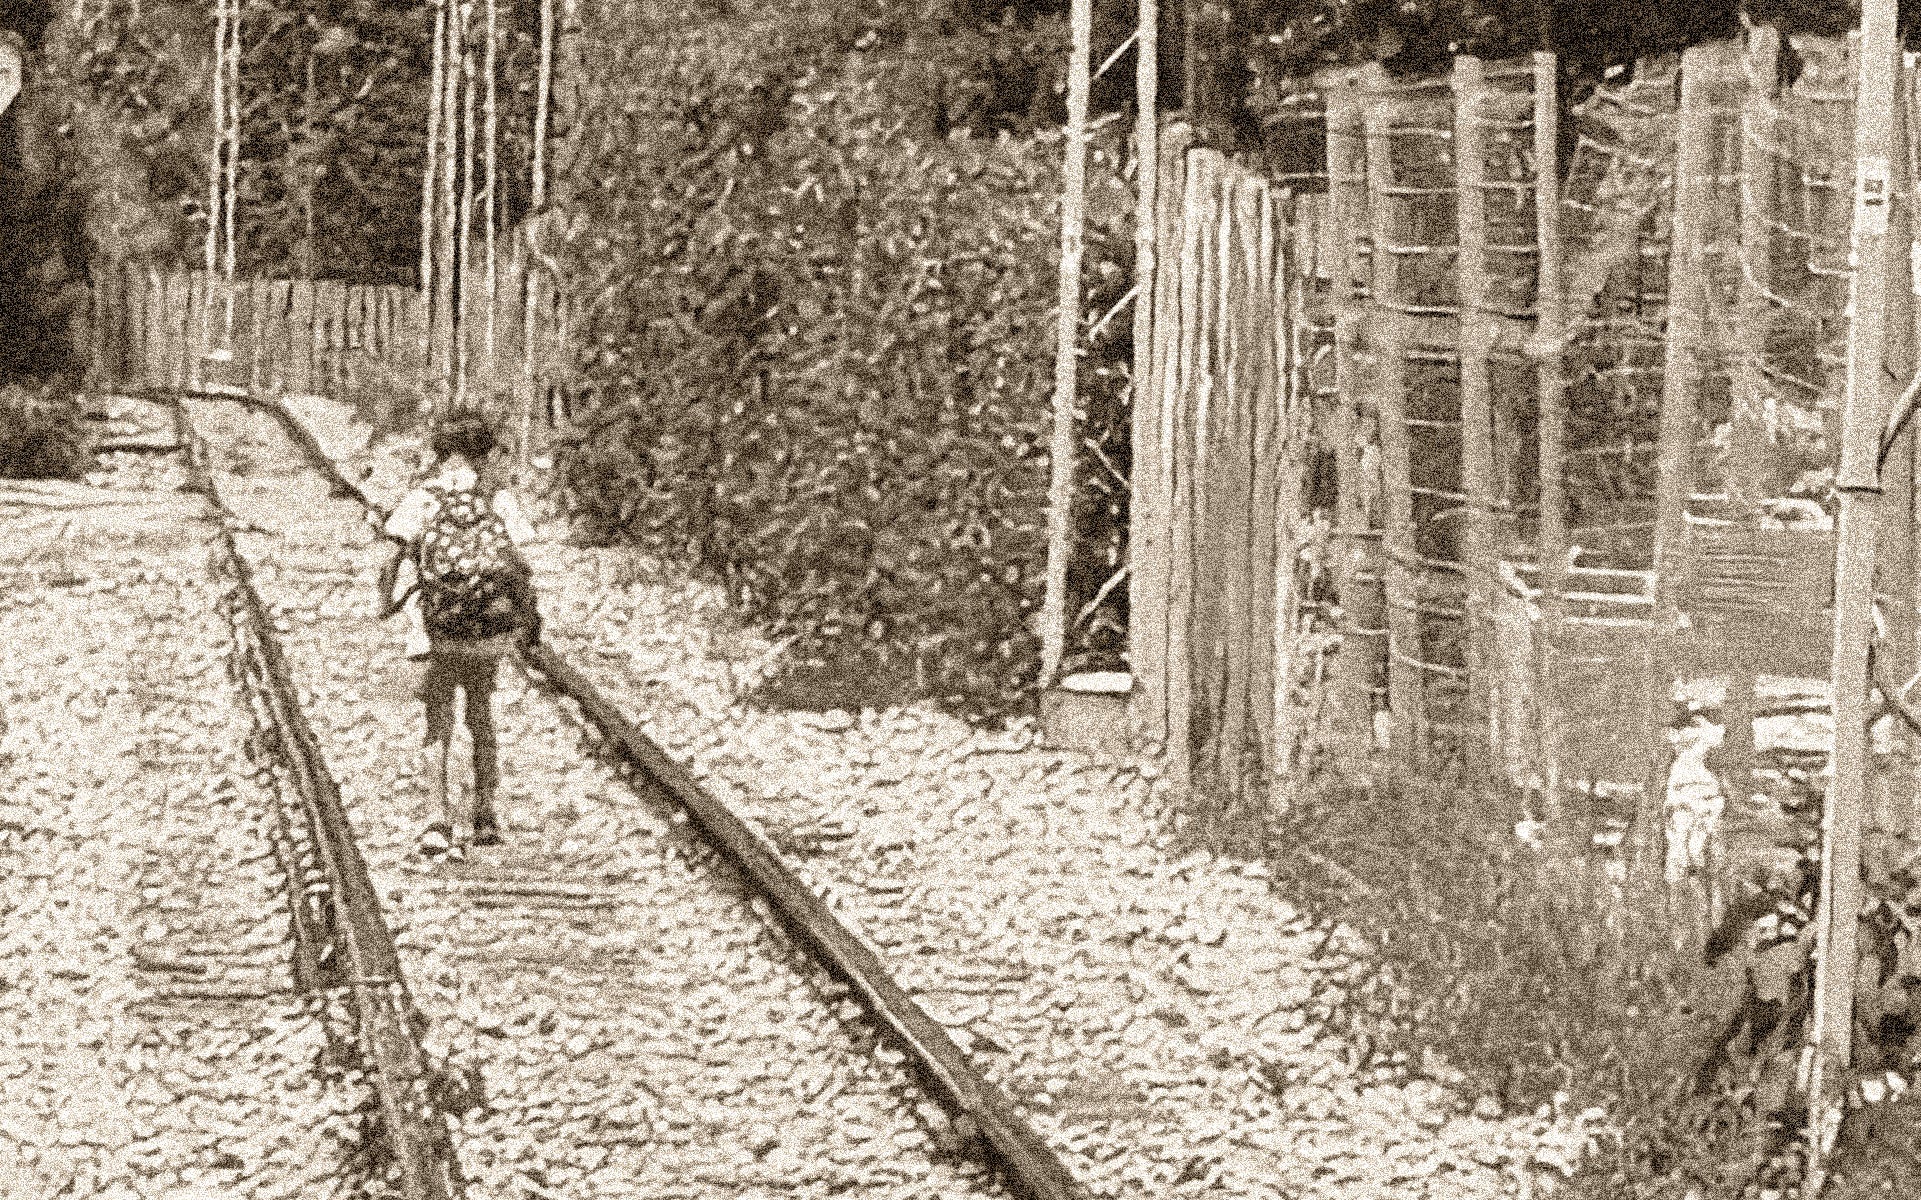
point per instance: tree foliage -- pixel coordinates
(817, 252)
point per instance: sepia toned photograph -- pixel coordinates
(958, 599)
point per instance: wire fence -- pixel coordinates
(1580, 427)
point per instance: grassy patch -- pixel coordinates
(1540, 972)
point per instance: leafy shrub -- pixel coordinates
(821, 334)
(42, 433)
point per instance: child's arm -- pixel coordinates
(389, 575)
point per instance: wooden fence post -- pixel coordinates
(1360, 653)
(1893, 787)
(1146, 543)
(1400, 565)
(1477, 407)
(1182, 457)
(1151, 523)
(1062, 453)
(1749, 437)
(1687, 271)
(1269, 508)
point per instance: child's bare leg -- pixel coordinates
(437, 697)
(479, 690)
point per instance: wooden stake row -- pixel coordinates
(303, 336)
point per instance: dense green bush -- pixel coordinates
(820, 320)
(42, 433)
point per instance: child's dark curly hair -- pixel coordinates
(465, 432)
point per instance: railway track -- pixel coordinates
(340, 940)
(634, 996)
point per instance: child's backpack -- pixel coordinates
(473, 582)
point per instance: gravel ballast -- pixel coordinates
(1161, 1016)
(150, 1040)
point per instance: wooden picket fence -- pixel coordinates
(153, 328)
(1220, 456)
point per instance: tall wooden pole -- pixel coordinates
(464, 260)
(542, 90)
(1674, 475)
(429, 186)
(446, 323)
(1401, 570)
(1060, 489)
(216, 206)
(1551, 330)
(493, 179)
(233, 172)
(1147, 178)
(1859, 484)
(307, 184)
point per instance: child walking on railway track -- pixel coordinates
(471, 600)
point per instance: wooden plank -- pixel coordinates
(136, 375)
(330, 306)
(164, 332)
(139, 284)
(1686, 316)
(1294, 268)
(1747, 451)
(1362, 647)
(1205, 645)
(1906, 659)
(1249, 321)
(1269, 529)
(1896, 592)
(112, 282)
(300, 337)
(1203, 656)
(1150, 512)
(201, 327)
(1477, 404)
(183, 329)
(1749, 456)
(1229, 644)
(1179, 418)
(1399, 570)
(96, 329)
(257, 332)
(286, 377)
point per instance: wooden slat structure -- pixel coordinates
(1221, 462)
(300, 336)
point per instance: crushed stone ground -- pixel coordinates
(150, 1041)
(1162, 1018)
